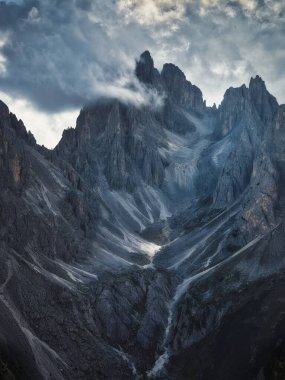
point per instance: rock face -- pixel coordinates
(145, 70)
(265, 104)
(180, 91)
(150, 242)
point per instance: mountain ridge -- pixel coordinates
(136, 245)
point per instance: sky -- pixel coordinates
(57, 55)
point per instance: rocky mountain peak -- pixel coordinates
(145, 70)
(256, 81)
(180, 90)
(4, 115)
(253, 99)
(172, 73)
(172, 82)
(265, 104)
(234, 96)
(8, 121)
(4, 110)
(122, 141)
(232, 108)
(146, 58)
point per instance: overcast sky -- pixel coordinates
(56, 55)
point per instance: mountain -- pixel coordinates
(150, 242)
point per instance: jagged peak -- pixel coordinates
(265, 103)
(3, 108)
(146, 56)
(171, 69)
(171, 81)
(235, 93)
(256, 85)
(145, 70)
(256, 80)
(9, 120)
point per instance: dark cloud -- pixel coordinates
(59, 54)
(12, 12)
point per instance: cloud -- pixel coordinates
(3, 62)
(47, 128)
(132, 92)
(150, 12)
(61, 54)
(217, 43)
(33, 14)
(58, 55)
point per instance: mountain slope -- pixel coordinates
(148, 239)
